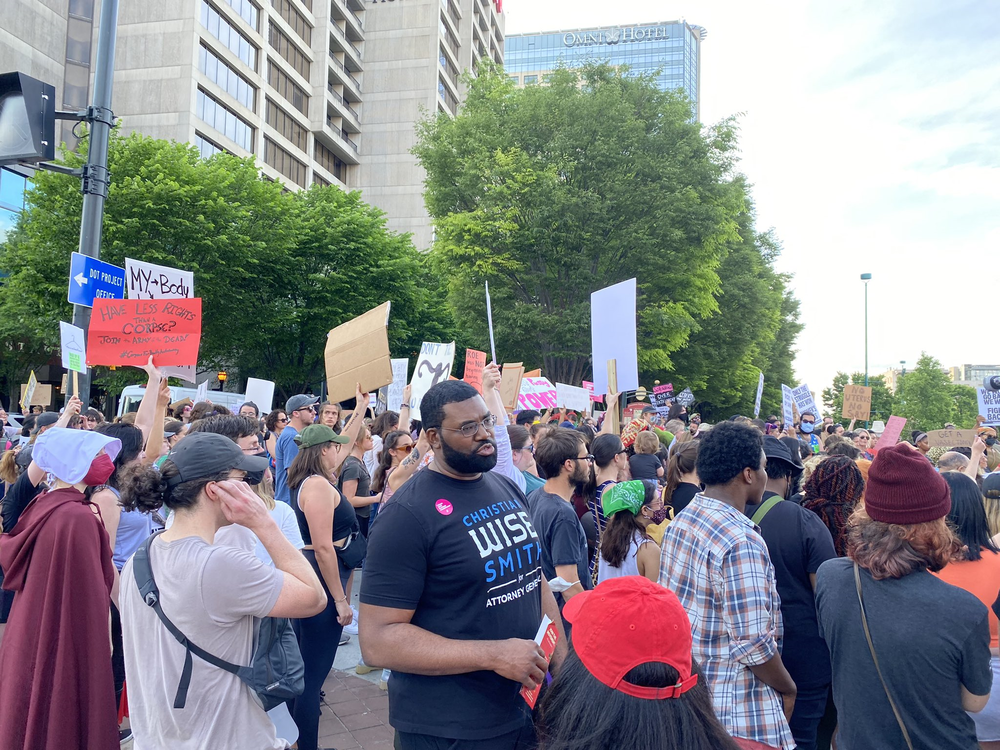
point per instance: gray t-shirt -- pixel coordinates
(212, 594)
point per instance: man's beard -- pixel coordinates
(469, 463)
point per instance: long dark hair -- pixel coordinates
(131, 437)
(604, 449)
(683, 460)
(385, 460)
(144, 488)
(968, 514)
(307, 462)
(833, 492)
(616, 539)
(580, 713)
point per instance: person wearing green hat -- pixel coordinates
(626, 548)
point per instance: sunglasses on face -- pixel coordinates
(283, 420)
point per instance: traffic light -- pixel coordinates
(27, 119)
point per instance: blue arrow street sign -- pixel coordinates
(90, 278)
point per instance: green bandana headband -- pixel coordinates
(623, 496)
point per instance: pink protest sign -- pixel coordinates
(536, 393)
(667, 388)
(890, 436)
(590, 387)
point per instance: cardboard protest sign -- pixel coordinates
(127, 331)
(73, 342)
(890, 436)
(433, 366)
(533, 374)
(201, 393)
(510, 384)
(760, 394)
(572, 397)
(261, 392)
(787, 406)
(857, 402)
(475, 361)
(593, 396)
(358, 352)
(28, 392)
(989, 405)
(804, 401)
(394, 391)
(613, 336)
(41, 394)
(951, 438)
(151, 281)
(537, 394)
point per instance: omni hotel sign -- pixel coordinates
(616, 36)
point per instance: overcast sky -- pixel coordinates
(871, 134)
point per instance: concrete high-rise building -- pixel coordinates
(320, 91)
(670, 49)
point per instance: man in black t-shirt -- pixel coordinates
(453, 593)
(798, 542)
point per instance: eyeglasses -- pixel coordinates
(283, 420)
(404, 448)
(307, 408)
(471, 428)
(623, 450)
(588, 457)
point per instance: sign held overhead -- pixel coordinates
(128, 331)
(152, 281)
(358, 352)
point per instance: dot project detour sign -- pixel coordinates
(127, 331)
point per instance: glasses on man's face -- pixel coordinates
(588, 458)
(308, 408)
(241, 477)
(469, 429)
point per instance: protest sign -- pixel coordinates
(989, 405)
(804, 401)
(433, 367)
(394, 391)
(261, 392)
(28, 392)
(201, 393)
(151, 281)
(128, 331)
(533, 374)
(593, 396)
(510, 384)
(475, 361)
(572, 397)
(537, 394)
(41, 395)
(666, 389)
(489, 320)
(358, 352)
(787, 406)
(613, 336)
(74, 347)
(857, 402)
(760, 394)
(951, 438)
(686, 398)
(890, 436)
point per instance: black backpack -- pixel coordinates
(276, 673)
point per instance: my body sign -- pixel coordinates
(126, 332)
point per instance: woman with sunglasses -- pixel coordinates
(275, 422)
(396, 446)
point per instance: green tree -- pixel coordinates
(965, 405)
(924, 396)
(552, 192)
(882, 398)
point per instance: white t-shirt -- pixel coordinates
(212, 594)
(284, 516)
(629, 566)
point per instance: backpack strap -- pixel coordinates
(146, 583)
(762, 511)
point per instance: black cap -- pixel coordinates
(775, 450)
(46, 419)
(648, 409)
(208, 454)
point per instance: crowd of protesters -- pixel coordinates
(740, 585)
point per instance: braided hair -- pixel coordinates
(833, 492)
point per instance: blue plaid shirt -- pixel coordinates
(716, 562)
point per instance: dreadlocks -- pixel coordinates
(832, 493)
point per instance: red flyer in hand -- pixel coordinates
(546, 637)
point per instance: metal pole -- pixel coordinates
(96, 176)
(866, 334)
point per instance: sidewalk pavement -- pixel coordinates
(355, 714)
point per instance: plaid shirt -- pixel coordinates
(716, 562)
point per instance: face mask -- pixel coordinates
(101, 469)
(659, 516)
(806, 427)
(991, 441)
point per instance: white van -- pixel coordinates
(132, 395)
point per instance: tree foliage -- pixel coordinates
(924, 396)
(276, 270)
(553, 192)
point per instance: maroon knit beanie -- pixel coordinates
(904, 488)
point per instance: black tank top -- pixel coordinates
(344, 519)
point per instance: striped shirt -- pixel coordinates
(716, 562)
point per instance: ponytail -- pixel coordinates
(683, 460)
(385, 460)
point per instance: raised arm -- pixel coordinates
(978, 449)
(404, 409)
(154, 444)
(612, 403)
(73, 407)
(147, 407)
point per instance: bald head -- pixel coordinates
(952, 461)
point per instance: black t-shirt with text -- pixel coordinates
(561, 534)
(464, 556)
(931, 638)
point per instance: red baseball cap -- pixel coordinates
(629, 621)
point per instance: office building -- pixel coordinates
(12, 185)
(972, 374)
(671, 50)
(319, 91)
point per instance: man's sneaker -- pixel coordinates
(124, 736)
(363, 668)
(344, 638)
(352, 629)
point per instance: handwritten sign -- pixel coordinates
(74, 347)
(510, 384)
(28, 392)
(537, 394)
(394, 391)
(201, 392)
(787, 406)
(433, 367)
(804, 401)
(857, 402)
(760, 394)
(590, 389)
(127, 331)
(890, 436)
(989, 405)
(572, 397)
(151, 281)
(951, 438)
(475, 361)
(665, 388)
(686, 398)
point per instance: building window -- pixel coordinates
(285, 124)
(82, 9)
(294, 19)
(278, 158)
(12, 187)
(284, 46)
(75, 86)
(217, 71)
(516, 80)
(287, 88)
(530, 79)
(317, 180)
(222, 30)
(218, 116)
(207, 148)
(330, 161)
(78, 33)
(247, 10)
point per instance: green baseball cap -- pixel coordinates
(317, 434)
(628, 496)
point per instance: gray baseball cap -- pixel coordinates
(207, 454)
(299, 402)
